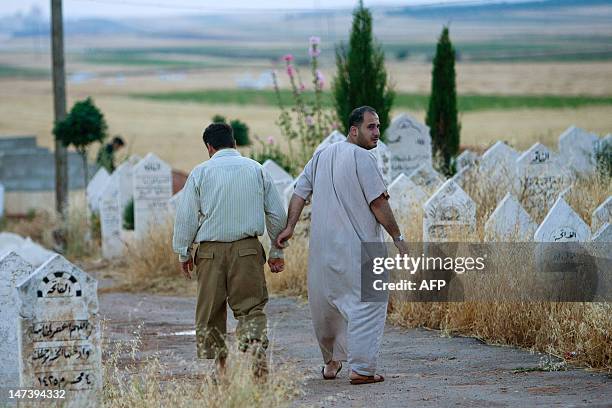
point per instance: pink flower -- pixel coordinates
(314, 50)
(270, 140)
(315, 40)
(309, 120)
(290, 71)
(288, 58)
(302, 88)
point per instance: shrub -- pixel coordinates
(241, 132)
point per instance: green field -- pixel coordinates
(10, 71)
(467, 103)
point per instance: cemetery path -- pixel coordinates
(421, 367)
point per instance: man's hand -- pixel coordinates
(284, 235)
(402, 247)
(276, 264)
(187, 267)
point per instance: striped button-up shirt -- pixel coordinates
(230, 195)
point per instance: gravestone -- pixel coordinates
(1, 200)
(334, 137)
(111, 220)
(562, 224)
(449, 214)
(13, 269)
(466, 159)
(604, 234)
(404, 196)
(541, 178)
(95, 187)
(577, 148)
(383, 160)
(152, 189)
(498, 167)
(288, 193)
(280, 177)
(509, 222)
(59, 334)
(427, 178)
(124, 175)
(602, 214)
(410, 145)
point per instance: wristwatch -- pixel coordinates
(399, 239)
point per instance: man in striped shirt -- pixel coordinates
(222, 207)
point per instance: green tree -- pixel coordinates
(83, 125)
(361, 78)
(442, 112)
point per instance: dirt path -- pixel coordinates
(422, 368)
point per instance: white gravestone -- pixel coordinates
(404, 195)
(334, 137)
(541, 177)
(509, 222)
(13, 269)
(383, 159)
(288, 193)
(111, 220)
(602, 214)
(173, 202)
(427, 178)
(498, 165)
(562, 224)
(1, 200)
(577, 147)
(448, 214)
(95, 187)
(406, 200)
(466, 159)
(410, 145)
(152, 190)
(604, 234)
(123, 172)
(59, 334)
(280, 177)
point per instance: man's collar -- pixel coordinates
(225, 153)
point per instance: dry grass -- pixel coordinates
(579, 332)
(82, 239)
(148, 382)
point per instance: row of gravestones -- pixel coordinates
(50, 330)
(147, 181)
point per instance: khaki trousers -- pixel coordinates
(230, 273)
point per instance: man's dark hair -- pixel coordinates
(356, 117)
(118, 141)
(219, 135)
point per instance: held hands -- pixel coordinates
(276, 265)
(187, 267)
(283, 237)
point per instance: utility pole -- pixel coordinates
(59, 104)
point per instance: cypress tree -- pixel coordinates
(361, 77)
(442, 113)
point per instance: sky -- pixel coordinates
(146, 8)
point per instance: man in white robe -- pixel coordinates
(349, 205)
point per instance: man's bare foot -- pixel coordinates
(331, 369)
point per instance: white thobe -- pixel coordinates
(343, 179)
